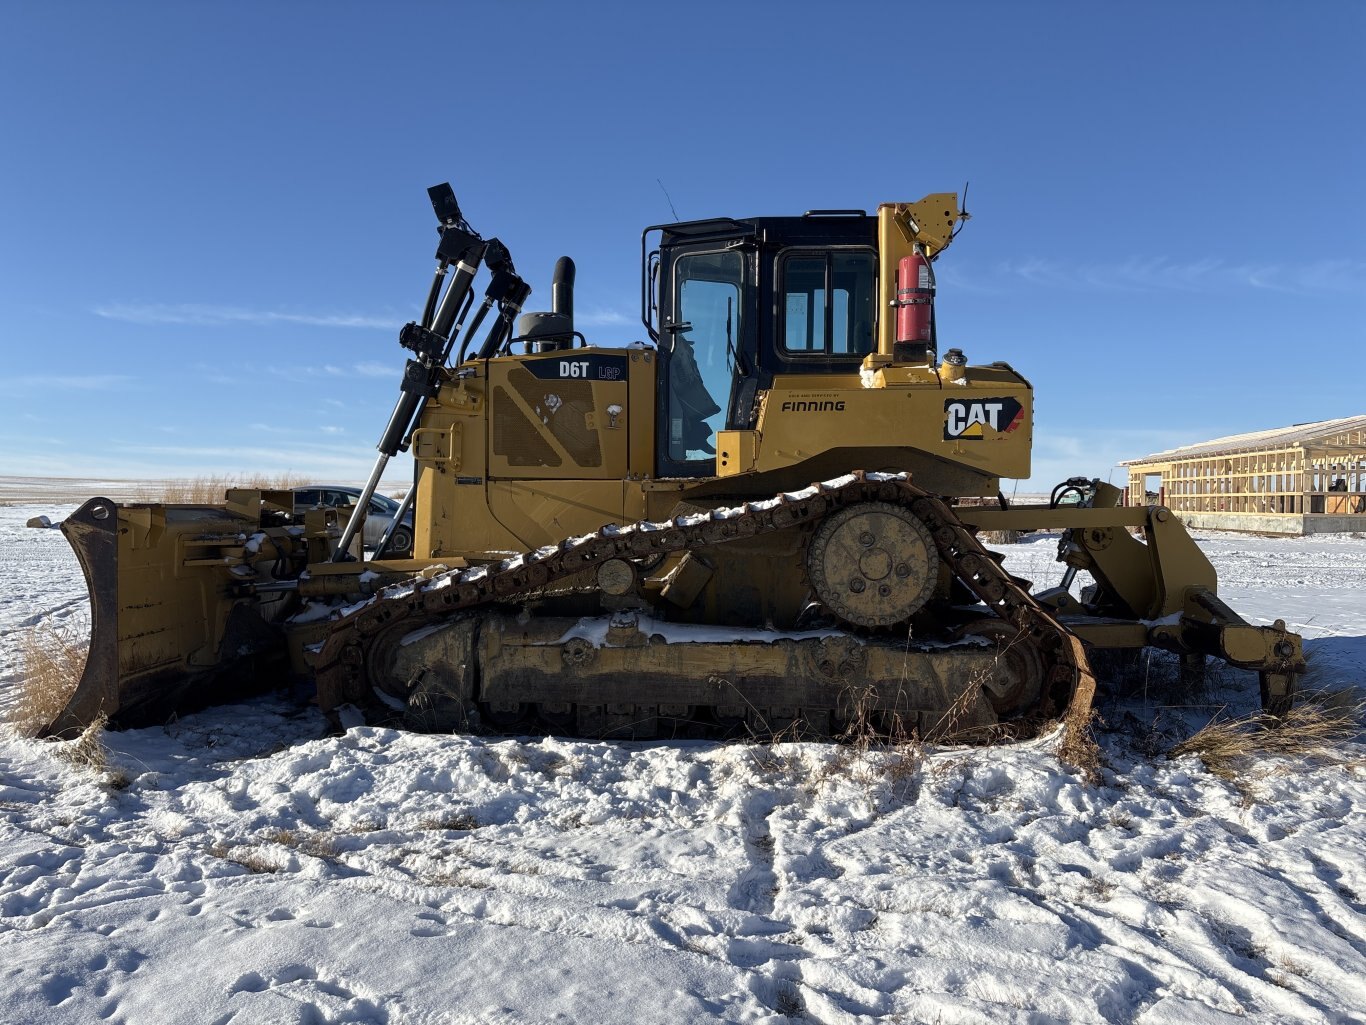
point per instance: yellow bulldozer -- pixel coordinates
(761, 519)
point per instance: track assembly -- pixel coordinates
(878, 531)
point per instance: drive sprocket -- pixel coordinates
(873, 564)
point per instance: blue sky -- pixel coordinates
(215, 218)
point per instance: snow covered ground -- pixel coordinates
(239, 866)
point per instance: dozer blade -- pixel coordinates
(170, 629)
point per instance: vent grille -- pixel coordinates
(562, 408)
(517, 438)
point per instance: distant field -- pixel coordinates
(66, 490)
(72, 489)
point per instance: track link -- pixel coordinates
(340, 665)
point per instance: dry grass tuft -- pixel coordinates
(452, 821)
(210, 490)
(862, 727)
(1314, 730)
(788, 1001)
(186, 491)
(250, 858)
(460, 877)
(874, 747)
(1120, 819)
(319, 844)
(265, 859)
(904, 762)
(1078, 747)
(54, 659)
(949, 728)
(1097, 889)
(87, 751)
(275, 482)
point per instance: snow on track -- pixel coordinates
(247, 869)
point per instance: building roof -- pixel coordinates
(1302, 435)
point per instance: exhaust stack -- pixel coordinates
(562, 290)
(553, 330)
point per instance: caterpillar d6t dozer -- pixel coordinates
(761, 519)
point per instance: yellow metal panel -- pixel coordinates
(540, 513)
(985, 425)
(450, 445)
(735, 451)
(644, 367)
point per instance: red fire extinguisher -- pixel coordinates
(915, 298)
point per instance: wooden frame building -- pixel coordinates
(1305, 479)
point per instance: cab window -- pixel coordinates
(828, 302)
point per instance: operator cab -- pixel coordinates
(732, 303)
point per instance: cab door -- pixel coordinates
(703, 338)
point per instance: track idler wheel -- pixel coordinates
(1017, 679)
(433, 678)
(873, 564)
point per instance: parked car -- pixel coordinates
(377, 517)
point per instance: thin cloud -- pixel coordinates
(211, 373)
(19, 443)
(961, 277)
(601, 318)
(1204, 275)
(217, 316)
(373, 368)
(370, 368)
(57, 383)
(1319, 276)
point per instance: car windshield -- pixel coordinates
(385, 503)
